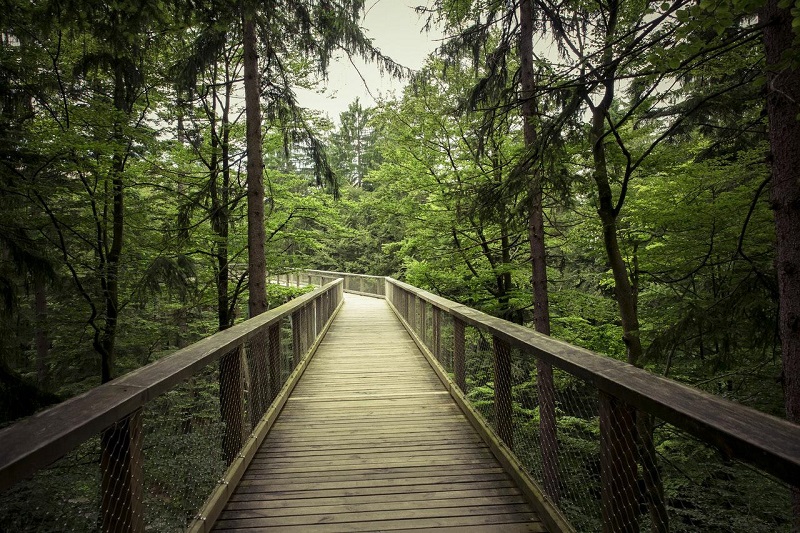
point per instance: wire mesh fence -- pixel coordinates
(604, 464)
(155, 466)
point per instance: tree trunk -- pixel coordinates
(640, 424)
(110, 253)
(783, 106)
(541, 310)
(256, 236)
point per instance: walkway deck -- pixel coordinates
(371, 441)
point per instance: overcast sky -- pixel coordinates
(396, 30)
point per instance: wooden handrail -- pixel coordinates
(771, 443)
(35, 442)
(353, 283)
(343, 274)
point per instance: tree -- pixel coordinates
(783, 86)
(352, 146)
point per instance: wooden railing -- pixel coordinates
(128, 450)
(628, 403)
(362, 284)
(127, 453)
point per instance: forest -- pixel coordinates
(621, 175)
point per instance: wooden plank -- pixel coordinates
(371, 440)
(412, 465)
(372, 522)
(347, 506)
(502, 527)
(258, 518)
(379, 499)
(361, 491)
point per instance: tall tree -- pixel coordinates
(352, 145)
(257, 268)
(783, 106)
(536, 235)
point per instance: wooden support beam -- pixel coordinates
(423, 319)
(297, 348)
(437, 334)
(459, 362)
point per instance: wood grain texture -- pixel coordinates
(371, 441)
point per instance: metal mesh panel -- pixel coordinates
(183, 454)
(63, 497)
(574, 457)
(479, 372)
(446, 342)
(705, 491)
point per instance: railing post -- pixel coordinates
(502, 391)
(423, 330)
(414, 301)
(318, 304)
(307, 328)
(297, 349)
(618, 492)
(274, 357)
(121, 476)
(437, 333)
(459, 363)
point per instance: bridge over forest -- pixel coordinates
(369, 404)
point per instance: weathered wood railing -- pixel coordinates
(144, 451)
(625, 405)
(362, 284)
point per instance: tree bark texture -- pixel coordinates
(541, 311)
(783, 108)
(256, 236)
(110, 253)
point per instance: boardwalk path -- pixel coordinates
(371, 441)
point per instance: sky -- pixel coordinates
(396, 29)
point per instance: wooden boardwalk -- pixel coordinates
(371, 441)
